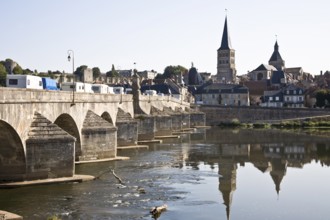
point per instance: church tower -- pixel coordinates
(276, 59)
(226, 72)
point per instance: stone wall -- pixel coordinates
(219, 114)
(99, 138)
(50, 151)
(127, 133)
(197, 119)
(146, 127)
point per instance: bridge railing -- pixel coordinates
(13, 95)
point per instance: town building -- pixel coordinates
(222, 94)
(291, 96)
(226, 69)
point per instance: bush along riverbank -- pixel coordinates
(235, 123)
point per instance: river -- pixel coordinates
(210, 174)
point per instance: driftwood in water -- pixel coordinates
(102, 173)
(117, 177)
(156, 211)
(113, 173)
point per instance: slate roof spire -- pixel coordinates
(276, 54)
(225, 42)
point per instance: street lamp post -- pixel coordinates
(71, 55)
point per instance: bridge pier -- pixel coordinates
(127, 134)
(163, 122)
(146, 127)
(50, 151)
(180, 119)
(99, 139)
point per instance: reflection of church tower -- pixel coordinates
(276, 59)
(278, 172)
(227, 183)
(226, 70)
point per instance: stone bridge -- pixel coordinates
(43, 133)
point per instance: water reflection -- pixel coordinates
(270, 151)
(244, 172)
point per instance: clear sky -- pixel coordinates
(157, 33)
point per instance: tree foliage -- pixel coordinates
(18, 70)
(3, 75)
(323, 98)
(27, 72)
(113, 72)
(96, 72)
(80, 70)
(172, 71)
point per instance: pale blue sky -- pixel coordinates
(158, 33)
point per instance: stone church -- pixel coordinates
(226, 70)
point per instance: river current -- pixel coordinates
(209, 174)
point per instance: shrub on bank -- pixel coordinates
(261, 125)
(233, 123)
(283, 124)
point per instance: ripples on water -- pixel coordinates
(213, 174)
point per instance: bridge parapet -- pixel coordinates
(160, 102)
(10, 95)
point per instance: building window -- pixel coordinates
(287, 98)
(300, 91)
(287, 91)
(28, 82)
(213, 96)
(270, 98)
(277, 98)
(294, 92)
(300, 98)
(13, 81)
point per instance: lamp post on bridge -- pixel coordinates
(71, 55)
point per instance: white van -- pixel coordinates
(88, 88)
(118, 90)
(110, 90)
(100, 88)
(129, 91)
(24, 81)
(68, 86)
(150, 92)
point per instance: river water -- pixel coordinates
(210, 174)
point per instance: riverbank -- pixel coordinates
(308, 123)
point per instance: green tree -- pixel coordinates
(113, 72)
(80, 70)
(3, 75)
(27, 72)
(322, 98)
(171, 71)
(18, 70)
(96, 72)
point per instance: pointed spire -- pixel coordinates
(276, 46)
(225, 42)
(276, 56)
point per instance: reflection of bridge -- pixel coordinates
(43, 132)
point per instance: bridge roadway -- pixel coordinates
(44, 132)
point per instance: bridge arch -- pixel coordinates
(12, 156)
(67, 123)
(122, 115)
(106, 116)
